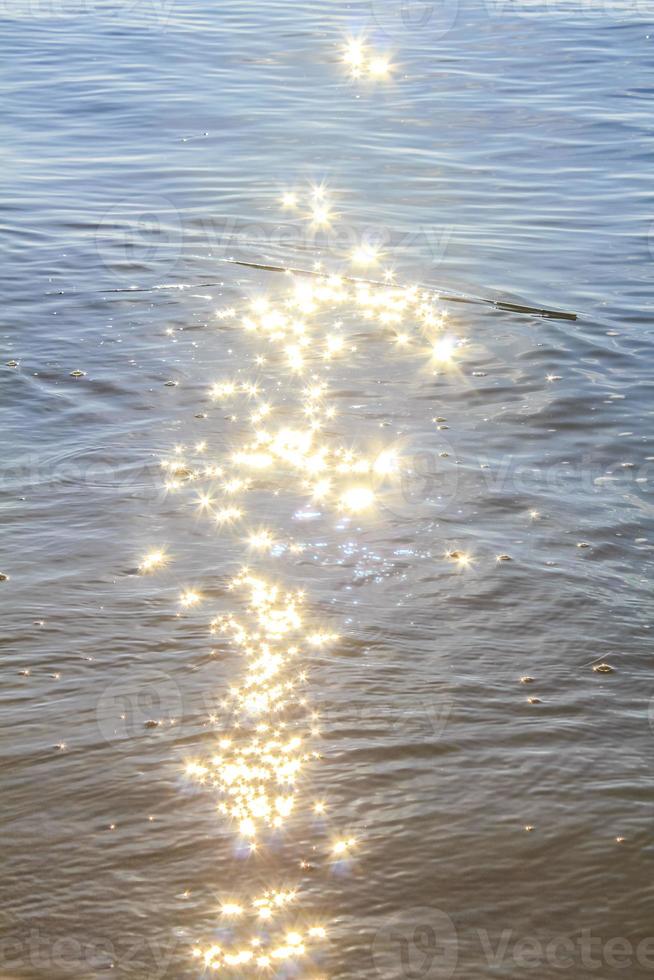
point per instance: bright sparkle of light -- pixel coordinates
(289, 199)
(320, 490)
(226, 515)
(204, 501)
(321, 215)
(261, 540)
(365, 255)
(232, 909)
(334, 344)
(353, 54)
(357, 499)
(189, 598)
(379, 67)
(154, 559)
(387, 463)
(444, 349)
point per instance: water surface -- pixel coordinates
(508, 154)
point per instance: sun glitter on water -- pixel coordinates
(362, 61)
(287, 444)
(256, 766)
(153, 560)
(306, 457)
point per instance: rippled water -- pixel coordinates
(507, 154)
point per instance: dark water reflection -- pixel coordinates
(507, 155)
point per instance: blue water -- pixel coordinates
(508, 154)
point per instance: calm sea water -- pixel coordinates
(508, 153)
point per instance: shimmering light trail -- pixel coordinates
(301, 328)
(264, 747)
(263, 754)
(257, 764)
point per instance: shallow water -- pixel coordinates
(508, 154)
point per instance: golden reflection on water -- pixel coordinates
(153, 560)
(258, 761)
(301, 328)
(264, 744)
(361, 60)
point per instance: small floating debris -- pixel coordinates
(504, 558)
(24, 673)
(529, 827)
(619, 840)
(554, 377)
(4, 577)
(151, 724)
(479, 374)
(181, 472)
(12, 363)
(534, 701)
(77, 373)
(603, 669)
(583, 544)
(462, 558)
(171, 384)
(526, 679)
